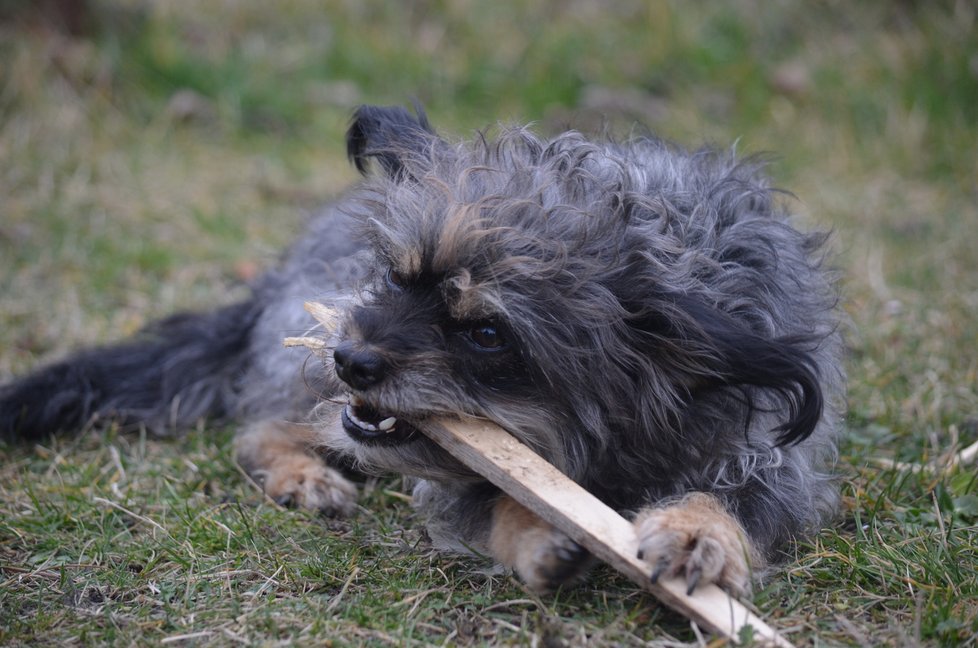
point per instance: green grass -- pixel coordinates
(159, 160)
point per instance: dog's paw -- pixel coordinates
(542, 556)
(551, 559)
(279, 457)
(304, 481)
(696, 539)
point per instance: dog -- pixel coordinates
(646, 318)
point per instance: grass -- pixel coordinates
(164, 156)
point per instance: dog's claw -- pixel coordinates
(659, 569)
(693, 579)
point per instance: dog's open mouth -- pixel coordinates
(367, 425)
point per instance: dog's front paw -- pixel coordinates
(543, 557)
(697, 539)
(279, 457)
(303, 481)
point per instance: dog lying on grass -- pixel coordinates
(645, 318)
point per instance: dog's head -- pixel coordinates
(541, 286)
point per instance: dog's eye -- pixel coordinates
(487, 336)
(394, 279)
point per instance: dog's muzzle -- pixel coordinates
(361, 369)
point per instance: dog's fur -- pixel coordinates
(646, 318)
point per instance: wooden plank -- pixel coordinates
(526, 477)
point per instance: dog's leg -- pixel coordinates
(543, 556)
(278, 456)
(697, 538)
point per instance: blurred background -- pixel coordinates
(157, 155)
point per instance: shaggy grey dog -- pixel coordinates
(644, 317)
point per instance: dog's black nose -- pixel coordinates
(358, 367)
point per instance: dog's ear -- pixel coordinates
(389, 134)
(718, 351)
(783, 367)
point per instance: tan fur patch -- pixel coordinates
(468, 300)
(697, 538)
(409, 264)
(541, 555)
(277, 456)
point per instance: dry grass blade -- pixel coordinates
(313, 344)
(327, 317)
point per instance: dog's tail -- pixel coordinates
(175, 372)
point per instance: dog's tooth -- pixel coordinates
(387, 423)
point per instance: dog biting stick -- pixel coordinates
(526, 477)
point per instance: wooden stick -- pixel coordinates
(526, 477)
